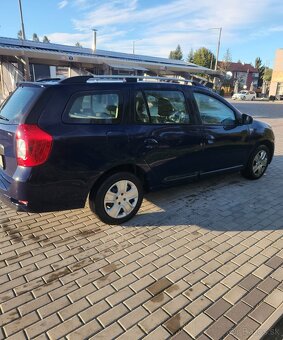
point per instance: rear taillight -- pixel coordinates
(33, 145)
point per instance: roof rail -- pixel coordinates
(43, 80)
(128, 79)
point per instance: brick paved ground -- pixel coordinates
(200, 261)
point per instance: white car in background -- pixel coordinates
(244, 95)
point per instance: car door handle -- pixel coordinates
(210, 139)
(150, 143)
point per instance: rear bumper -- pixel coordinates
(33, 197)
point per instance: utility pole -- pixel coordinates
(218, 45)
(22, 21)
(25, 61)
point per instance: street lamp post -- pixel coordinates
(218, 45)
(22, 21)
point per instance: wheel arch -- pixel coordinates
(132, 168)
(269, 145)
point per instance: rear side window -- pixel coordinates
(161, 107)
(94, 108)
(19, 104)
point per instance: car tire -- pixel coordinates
(243, 98)
(118, 198)
(257, 163)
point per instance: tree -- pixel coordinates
(77, 44)
(190, 58)
(45, 39)
(176, 54)
(204, 57)
(35, 37)
(261, 69)
(227, 60)
(267, 74)
(20, 35)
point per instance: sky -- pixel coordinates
(250, 29)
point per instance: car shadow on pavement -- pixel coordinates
(222, 203)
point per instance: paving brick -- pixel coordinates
(254, 297)
(238, 312)
(143, 283)
(99, 294)
(216, 292)
(110, 332)
(133, 317)
(220, 328)
(275, 298)
(218, 309)
(245, 329)
(262, 312)
(123, 282)
(181, 336)
(74, 309)
(195, 276)
(137, 299)
(232, 279)
(42, 326)
(249, 282)
(198, 305)
(198, 325)
(159, 286)
(156, 302)
(53, 307)
(195, 291)
(158, 333)
(235, 294)
(34, 305)
(94, 311)
(21, 323)
(263, 271)
(133, 333)
(278, 274)
(177, 321)
(268, 285)
(16, 302)
(176, 304)
(153, 320)
(85, 331)
(112, 315)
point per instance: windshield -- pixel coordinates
(18, 104)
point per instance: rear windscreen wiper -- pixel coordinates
(4, 118)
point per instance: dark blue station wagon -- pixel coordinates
(108, 140)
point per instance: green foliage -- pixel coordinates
(45, 39)
(227, 60)
(267, 74)
(35, 37)
(261, 69)
(190, 58)
(176, 54)
(204, 57)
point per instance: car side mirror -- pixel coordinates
(246, 119)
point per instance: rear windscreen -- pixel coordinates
(18, 104)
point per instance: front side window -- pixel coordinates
(97, 108)
(162, 107)
(212, 110)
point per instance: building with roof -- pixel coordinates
(276, 85)
(246, 75)
(30, 60)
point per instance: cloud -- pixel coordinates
(62, 4)
(159, 26)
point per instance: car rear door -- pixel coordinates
(226, 140)
(164, 134)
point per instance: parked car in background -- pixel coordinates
(107, 140)
(244, 95)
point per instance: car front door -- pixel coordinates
(226, 140)
(164, 134)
